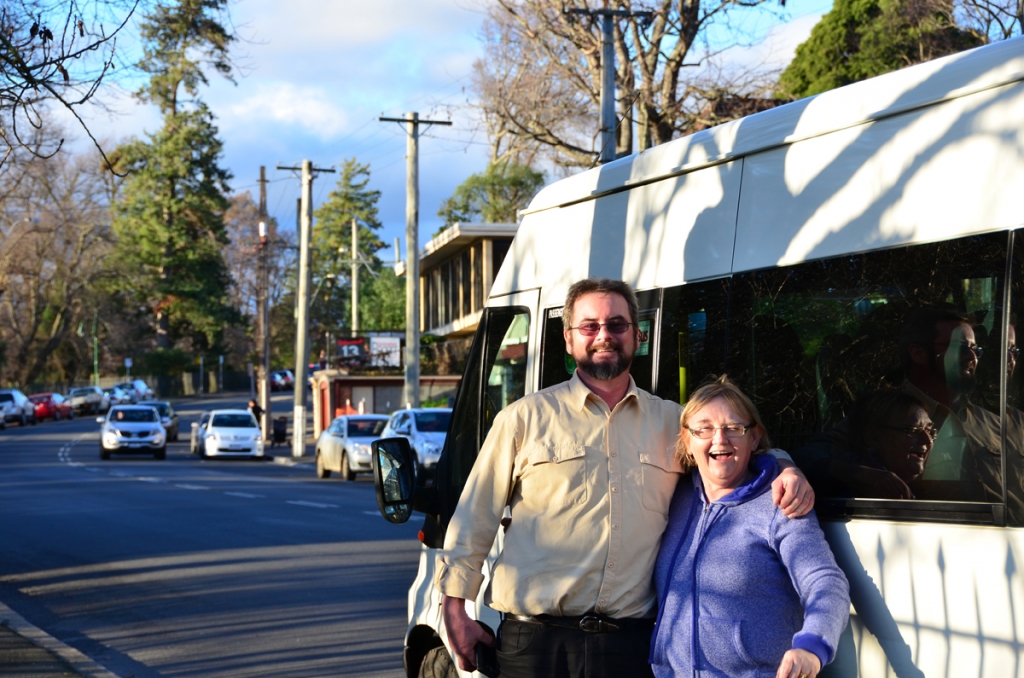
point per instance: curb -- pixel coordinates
(78, 661)
(293, 461)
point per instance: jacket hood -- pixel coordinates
(765, 469)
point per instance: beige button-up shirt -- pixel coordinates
(589, 490)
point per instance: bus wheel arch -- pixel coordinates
(421, 640)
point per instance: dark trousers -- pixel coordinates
(528, 650)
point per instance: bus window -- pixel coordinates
(556, 365)
(693, 336)
(495, 376)
(868, 369)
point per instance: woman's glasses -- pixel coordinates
(730, 430)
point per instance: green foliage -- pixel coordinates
(382, 301)
(493, 196)
(859, 39)
(164, 362)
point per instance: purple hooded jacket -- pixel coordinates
(739, 584)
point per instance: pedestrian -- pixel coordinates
(256, 410)
(588, 470)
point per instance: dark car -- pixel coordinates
(168, 418)
(52, 406)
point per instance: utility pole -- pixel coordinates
(355, 277)
(608, 124)
(302, 307)
(263, 314)
(411, 392)
(95, 349)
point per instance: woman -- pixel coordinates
(743, 591)
(891, 431)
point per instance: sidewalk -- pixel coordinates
(29, 652)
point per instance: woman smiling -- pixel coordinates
(743, 591)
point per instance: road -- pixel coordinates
(186, 567)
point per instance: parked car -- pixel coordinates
(345, 445)
(17, 407)
(132, 429)
(284, 380)
(425, 428)
(90, 399)
(52, 406)
(168, 418)
(137, 389)
(117, 397)
(231, 433)
(198, 438)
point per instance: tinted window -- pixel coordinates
(234, 421)
(365, 428)
(133, 415)
(6, 398)
(163, 408)
(432, 422)
(39, 399)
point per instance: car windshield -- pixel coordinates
(39, 399)
(81, 391)
(365, 428)
(135, 416)
(234, 421)
(163, 408)
(432, 422)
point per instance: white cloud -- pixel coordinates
(283, 104)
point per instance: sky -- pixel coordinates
(315, 76)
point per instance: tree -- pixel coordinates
(539, 83)
(859, 39)
(53, 53)
(493, 196)
(170, 213)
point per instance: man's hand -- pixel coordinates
(791, 492)
(463, 632)
(798, 664)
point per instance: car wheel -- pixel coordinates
(24, 420)
(437, 663)
(161, 453)
(71, 413)
(34, 419)
(104, 453)
(346, 472)
(321, 470)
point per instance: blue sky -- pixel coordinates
(316, 76)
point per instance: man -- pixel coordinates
(588, 470)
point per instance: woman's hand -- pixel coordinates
(798, 664)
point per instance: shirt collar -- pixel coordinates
(578, 392)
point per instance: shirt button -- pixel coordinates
(602, 602)
(615, 527)
(615, 489)
(613, 454)
(611, 566)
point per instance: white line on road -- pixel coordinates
(192, 487)
(245, 495)
(312, 504)
(152, 480)
(121, 474)
(371, 513)
(92, 469)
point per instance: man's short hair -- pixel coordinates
(921, 328)
(600, 286)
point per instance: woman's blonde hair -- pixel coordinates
(718, 387)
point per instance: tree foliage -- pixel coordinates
(859, 39)
(539, 82)
(493, 196)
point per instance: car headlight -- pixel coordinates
(431, 450)
(158, 437)
(361, 449)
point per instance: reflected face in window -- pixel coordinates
(606, 354)
(1012, 351)
(956, 356)
(902, 443)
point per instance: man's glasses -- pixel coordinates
(914, 431)
(730, 430)
(592, 329)
(1013, 351)
(966, 348)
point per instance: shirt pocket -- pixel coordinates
(556, 472)
(659, 476)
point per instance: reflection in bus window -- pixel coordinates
(507, 380)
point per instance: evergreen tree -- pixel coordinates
(169, 217)
(859, 39)
(493, 196)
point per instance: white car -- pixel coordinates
(91, 399)
(16, 407)
(231, 433)
(117, 396)
(425, 428)
(137, 389)
(133, 429)
(344, 446)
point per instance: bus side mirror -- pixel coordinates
(394, 476)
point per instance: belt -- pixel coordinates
(588, 623)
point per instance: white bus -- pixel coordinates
(789, 249)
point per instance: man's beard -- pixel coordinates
(605, 370)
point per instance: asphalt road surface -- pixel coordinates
(187, 567)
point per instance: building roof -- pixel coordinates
(454, 238)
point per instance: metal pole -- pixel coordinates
(264, 313)
(411, 392)
(607, 89)
(220, 375)
(95, 349)
(355, 278)
(201, 376)
(302, 306)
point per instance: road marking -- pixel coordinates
(245, 495)
(312, 504)
(152, 480)
(76, 463)
(192, 487)
(92, 469)
(121, 474)
(371, 513)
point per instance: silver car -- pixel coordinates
(16, 406)
(345, 445)
(132, 429)
(425, 428)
